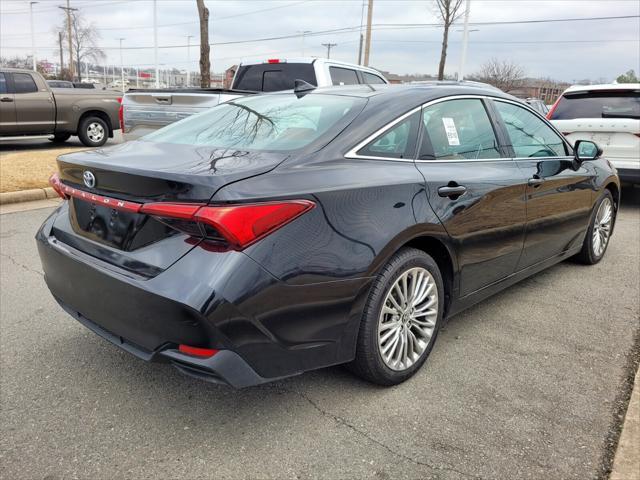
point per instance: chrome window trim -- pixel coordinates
(352, 153)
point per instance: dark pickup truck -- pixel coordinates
(29, 108)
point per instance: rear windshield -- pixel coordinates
(278, 122)
(273, 77)
(598, 105)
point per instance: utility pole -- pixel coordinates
(367, 43)
(155, 42)
(121, 66)
(33, 41)
(60, 46)
(303, 32)
(329, 47)
(189, 37)
(68, 9)
(361, 35)
(465, 41)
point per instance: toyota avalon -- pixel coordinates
(286, 232)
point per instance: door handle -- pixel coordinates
(535, 181)
(6, 99)
(452, 190)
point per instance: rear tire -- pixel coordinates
(394, 343)
(60, 137)
(93, 132)
(599, 232)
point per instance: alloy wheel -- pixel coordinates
(408, 318)
(602, 227)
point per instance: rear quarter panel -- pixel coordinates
(72, 105)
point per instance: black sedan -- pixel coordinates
(286, 232)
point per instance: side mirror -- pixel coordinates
(586, 150)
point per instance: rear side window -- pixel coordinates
(3, 83)
(23, 83)
(371, 79)
(530, 136)
(457, 130)
(622, 104)
(397, 142)
(343, 76)
(273, 77)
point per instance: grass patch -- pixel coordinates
(29, 169)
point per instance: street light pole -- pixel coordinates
(121, 66)
(465, 41)
(33, 41)
(155, 41)
(189, 37)
(303, 32)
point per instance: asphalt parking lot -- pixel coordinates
(529, 384)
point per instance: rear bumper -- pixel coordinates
(631, 175)
(224, 367)
(264, 329)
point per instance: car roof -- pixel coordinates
(606, 86)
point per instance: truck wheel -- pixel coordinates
(60, 137)
(93, 132)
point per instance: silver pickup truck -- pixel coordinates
(147, 110)
(29, 108)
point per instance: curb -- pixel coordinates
(27, 195)
(626, 464)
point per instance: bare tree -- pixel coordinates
(503, 74)
(84, 38)
(448, 11)
(205, 64)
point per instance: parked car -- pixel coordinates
(537, 104)
(608, 115)
(31, 109)
(147, 110)
(280, 233)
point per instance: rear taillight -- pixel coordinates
(237, 225)
(121, 114)
(54, 181)
(553, 108)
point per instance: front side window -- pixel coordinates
(277, 122)
(23, 83)
(530, 136)
(397, 142)
(343, 76)
(457, 130)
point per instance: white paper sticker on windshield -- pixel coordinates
(450, 128)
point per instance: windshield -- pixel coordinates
(268, 122)
(621, 104)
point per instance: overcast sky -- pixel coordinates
(561, 50)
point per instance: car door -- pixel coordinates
(559, 189)
(7, 107)
(35, 109)
(476, 191)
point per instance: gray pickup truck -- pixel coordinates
(147, 110)
(29, 108)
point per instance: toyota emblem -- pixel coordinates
(89, 179)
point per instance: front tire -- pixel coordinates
(93, 132)
(401, 319)
(598, 234)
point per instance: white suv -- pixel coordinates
(279, 74)
(608, 115)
